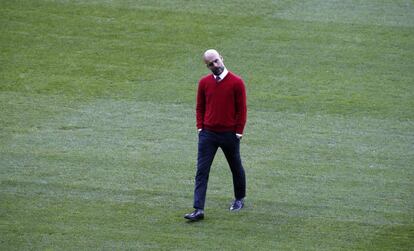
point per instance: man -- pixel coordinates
(221, 117)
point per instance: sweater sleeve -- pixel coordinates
(241, 107)
(200, 106)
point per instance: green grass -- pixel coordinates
(97, 124)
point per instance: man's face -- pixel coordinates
(214, 62)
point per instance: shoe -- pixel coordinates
(198, 214)
(237, 205)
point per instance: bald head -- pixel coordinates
(214, 61)
(211, 53)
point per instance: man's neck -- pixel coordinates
(223, 74)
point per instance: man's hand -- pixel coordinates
(239, 136)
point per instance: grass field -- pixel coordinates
(97, 124)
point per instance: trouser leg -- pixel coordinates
(207, 148)
(231, 149)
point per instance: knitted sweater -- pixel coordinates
(221, 106)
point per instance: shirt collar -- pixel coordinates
(223, 74)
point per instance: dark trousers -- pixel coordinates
(208, 143)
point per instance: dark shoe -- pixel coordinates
(237, 205)
(198, 214)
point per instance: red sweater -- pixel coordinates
(221, 107)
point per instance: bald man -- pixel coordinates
(221, 115)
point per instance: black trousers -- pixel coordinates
(208, 143)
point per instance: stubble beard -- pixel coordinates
(217, 71)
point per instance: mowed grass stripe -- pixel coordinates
(324, 67)
(281, 183)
